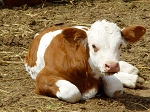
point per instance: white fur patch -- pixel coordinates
(128, 68)
(106, 38)
(90, 94)
(44, 43)
(128, 80)
(68, 91)
(112, 85)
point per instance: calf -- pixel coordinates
(71, 62)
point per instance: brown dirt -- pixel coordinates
(17, 28)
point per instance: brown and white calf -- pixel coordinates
(71, 62)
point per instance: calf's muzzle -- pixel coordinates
(112, 67)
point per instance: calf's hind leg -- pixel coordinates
(53, 86)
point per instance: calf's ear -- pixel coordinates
(73, 34)
(133, 33)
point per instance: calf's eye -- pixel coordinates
(94, 48)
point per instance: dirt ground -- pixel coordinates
(18, 26)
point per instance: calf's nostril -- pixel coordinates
(112, 67)
(107, 66)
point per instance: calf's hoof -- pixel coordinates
(117, 94)
(140, 82)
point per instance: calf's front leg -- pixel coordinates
(128, 75)
(112, 86)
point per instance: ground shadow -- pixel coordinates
(131, 102)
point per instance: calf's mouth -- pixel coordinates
(109, 73)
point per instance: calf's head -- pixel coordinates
(105, 40)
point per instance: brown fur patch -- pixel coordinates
(45, 83)
(133, 33)
(74, 35)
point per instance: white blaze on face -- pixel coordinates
(104, 39)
